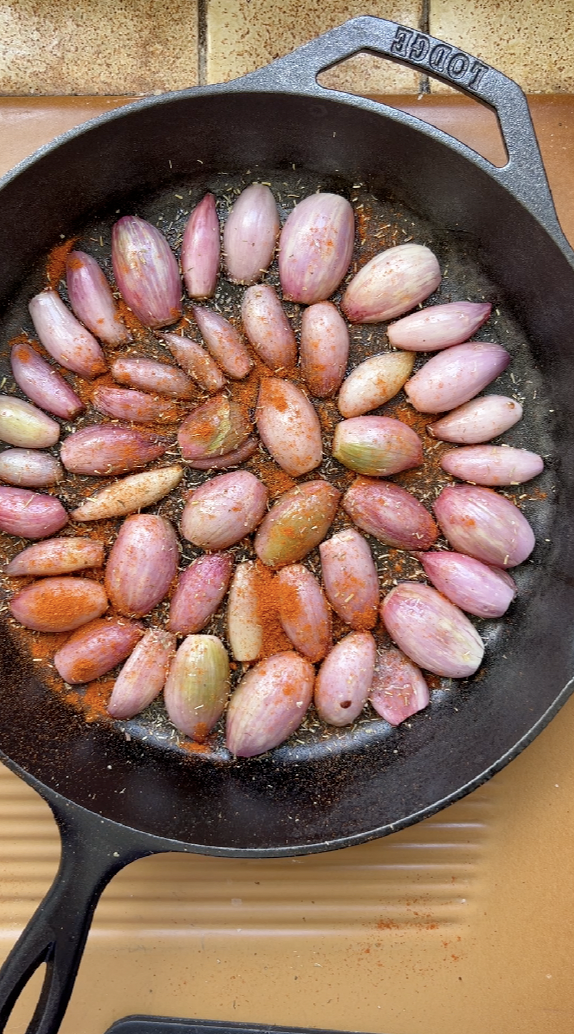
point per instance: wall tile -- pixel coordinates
(97, 47)
(246, 34)
(531, 41)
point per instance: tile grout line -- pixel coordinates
(202, 14)
(424, 26)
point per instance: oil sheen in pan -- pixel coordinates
(381, 223)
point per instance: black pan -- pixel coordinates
(117, 799)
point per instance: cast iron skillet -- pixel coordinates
(116, 800)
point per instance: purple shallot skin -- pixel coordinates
(315, 248)
(142, 564)
(143, 676)
(200, 249)
(96, 648)
(224, 510)
(456, 376)
(268, 328)
(493, 464)
(43, 384)
(344, 679)
(390, 514)
(438, 326)
(59, 604)
(350, 578)
(64, 337)
(200, 590)
(269, 704)
(149, 375)
(250, 234)
(30, 515)
(304, 612)
(399, 688)
(484, 591)
(92, 300)
(146, 271)
(30, 468)
(56, 557)
(484, 524)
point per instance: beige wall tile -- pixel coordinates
(97, 46)
(531, 41)
(247, 34)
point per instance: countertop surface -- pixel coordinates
(461, 923)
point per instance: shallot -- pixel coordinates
(143, 676)
(229, 459)
(350, 578)
(250, 233)
(224, 342)
(30, 468)
(303, 611)
(391, 283)
(196, 361)
(56, 556)
(475, 587)
(345, 678)
(297, 523)
(142, 564)
(149, 375)
(42, 383)
(289, 426)
(106, 450)
(132, 493)
(30, 515)
(197, 685)
(478, 420)
(399, 688)
(484, 524)
(224, 510)
(324, 348)
(390, 513)
(200, 249)
(376, 445)
(438, 326)
(200, 590)
(269, 703)
(268, 328)
(146, 271)
(137, 406)
(64, 337)
(456, 375)
(431, 631)
(492, 464)
(374, 382)
(59, 604)
(96, 648)
(92, 300)
(315, 248)
(23, 425)
(213, 429)
(244, 628)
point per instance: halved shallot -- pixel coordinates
(224, 510)
(390, 513)
(130, 494)
(96, 648)
(478, 420)
(30, 515)
(30, 468)
(269, 703)
(142, 564)
(149, 375)
(399, 688)
(196, 361)
(492, 464)
(244, 628)
(391, 283)
(268, 328)
(143, 676)
(376, 445)
(59, 604)
(200, 249)
(146, 271)
(42, 383)
(345, 678)
(64, 337)
(224, 342)
(92, 300)
(456, 375)
(350, 578)
(484, 524)
(250, 233)
(215, 428)
(289, 426)
(303, 611)
(484, 591)
(56, 557)
(438, 326)
(137, 406)
(197, 685)
(374, 382)
(200, 590)
(324, 348)
(24, 425)
(315, 248)
(297, 523)
(107, 449)
(431, 631)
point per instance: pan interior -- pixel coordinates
(323, 786)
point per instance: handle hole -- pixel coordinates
(25, 1007)
(455, 112)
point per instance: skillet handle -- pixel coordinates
(524, 173)
(57, 932)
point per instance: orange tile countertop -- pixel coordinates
(461, 923)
